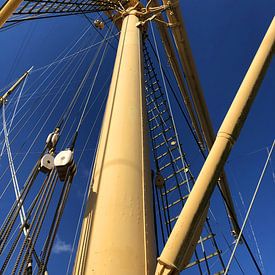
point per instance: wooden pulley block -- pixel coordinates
(52, 139)
(99, 24)
(63, 163)
(46, 163)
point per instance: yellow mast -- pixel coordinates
(185, 54)
(117, 234)
(8, 9)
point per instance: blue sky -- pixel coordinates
(224, 37)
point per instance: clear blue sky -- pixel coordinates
(224, 37)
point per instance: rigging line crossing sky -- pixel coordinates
(254, 237)
(65, 89)
(12, 170)
(41, 128)
(13, 114)
(95, 78)
(250, 207)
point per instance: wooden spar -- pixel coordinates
(117, 234)
(182, 43)
(181, 240)
(8, 9)
(14, 86)
(171, 55)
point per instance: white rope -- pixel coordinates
(249, 208)
(253, 234)
(80, 87)
(83, 81)
(58, 96)
(38, 88)
(14, 112)
(76, 53)
(216, 261)
(42, 127)
(271, 166)
(13, 172)
(68, 51)
(75, 71)
(94, 80)
(224, 237)
(49, 89)
(16, 104)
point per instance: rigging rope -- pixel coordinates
(271, 166)
(77, 129)
(12, 169)
(65, 51)
(76, 53)
(23, 247)
(249, 209)
(92, 87)
(53, 231)
(75, 71)
(92, 24)
(64, 118)
(14, 112)
(192, 132)
(52, 110)
(41, 128)
(13, 213)
(253, 238)
(43, 200)
(253, 234)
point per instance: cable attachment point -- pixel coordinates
(99, 24)
(3, 100)
(159, 180)
(64, 164)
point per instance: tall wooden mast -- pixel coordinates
(117, 234)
